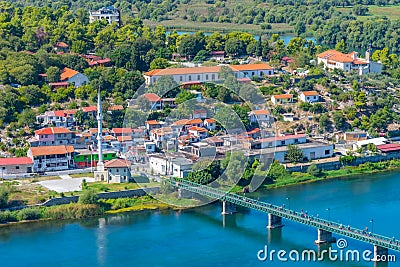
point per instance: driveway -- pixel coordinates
(66, 184)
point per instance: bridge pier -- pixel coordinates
(274, 221)
(324, 237)
(380, 254)
(228, 208)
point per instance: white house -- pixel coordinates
(333, 59)
(311, 151)
(73, 77)
(207, 74)
(154, 100)
(118, 171)
(199, 132)
(259, 116)
(376, 141)
(110, 14)
(51, 158)
(210, 124)
(276, 141)
(170, 165)
(309, 96)
(158, 136)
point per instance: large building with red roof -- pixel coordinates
(208, 73)
(52, 136)
(333, 59)
(51, 158)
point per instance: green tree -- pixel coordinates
(53, 74)
(27, 118)
(88, 196)
(300, 28)
(294, 154)
(235, 47)
(314, 170)
(159, 63)
(184, 96)
(4, 194)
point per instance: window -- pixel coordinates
(17, 167)
(206, 76)
(296, 140)
(327, 152)
(283, 143)
(190, 77)
(180, 78)
(4, 168)
(252, 74)
(213, 77)
(198, 77)
(117, 170)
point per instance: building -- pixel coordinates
(51, 158)
(118, 171)
(333, 59)
(198, 132)
(259, 116)
(309, 96)
(207, 74)
(282, 99)
(152, 124)
(15, 165)
(288, 117)
(57, 118)
(154, 100)
(61, 47)
(355, 136)
(121, 132)
(311, 151)
(52, 136)
(110, 14)
(199, 114)
(150, 147)
(73, 77)
(277, 141)
(85, 158)
(173, 165)
(210, 124)
(364, 143)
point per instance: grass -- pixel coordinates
(392, 12)
(80, 175)
(186, 25)
(105, 187)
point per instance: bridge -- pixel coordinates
(275, 214)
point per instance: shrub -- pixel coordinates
(73, 211)
(7, 216)
(88, 197)
(313, 170)
(29, 214)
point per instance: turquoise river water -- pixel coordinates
(203, 237)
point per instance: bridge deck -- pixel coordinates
(292, 215)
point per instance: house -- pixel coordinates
(52, 136)
(215, 141)
(150, 147)
(110, 14)
(389, 148)
(57, 118)
(73, 77)
(217, 55)
(311, 151)
(57, 85)
(113, 108)
(124, 143)
(194, 122)
(333, 59)
(61, 47)
(15, 165)
(90, 111)
(277, 141)
(100, 62)
(85, 158)
(309, 96)
(160, 135)
(51, 158)
(364, 143)
(355, 136)
(282, 99)
(154, 100)
(255, 133)
(174, 165)
(207, 73)
(199, 114)
(199, 132)
(152, 124)
(118, 171)
(210, 124)
(201, 149)
(288, 117)
(259, 116)
(121, 132)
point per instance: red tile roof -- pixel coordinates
(116, 163)
(115, 107)
(68, 73)
(152, 97)
(51, 150)
(15, 161)
(310, 93)
(124, 138)
(209, 120)
(89, 109)
(121, 130)
(52, 130)
(152, 122)
(389, 147)
(64, 113)
(59, 84)
(261, 112)
(198, 129)
(194, 121)
(261, 66)
(62, 45)
(284, 96)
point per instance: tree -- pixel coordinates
(341, 46)
(165, 86)
(53, 74)
(4, 194)
(27, 118)
(294, 154)
(300, 28)
(324, 121)
(159, 63)
(184, 96)
(314, 170)
(234, 164)
(88, 196)
(235, 47)
(24, 75)
(339, 120)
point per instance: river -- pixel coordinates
(201, 237)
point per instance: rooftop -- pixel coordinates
(51, 150)
(67, 73)
(15, 161)
(116, 163)
(53, 130)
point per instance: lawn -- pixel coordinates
(392, 12)
(105, 187)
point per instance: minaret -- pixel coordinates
(100, 164)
